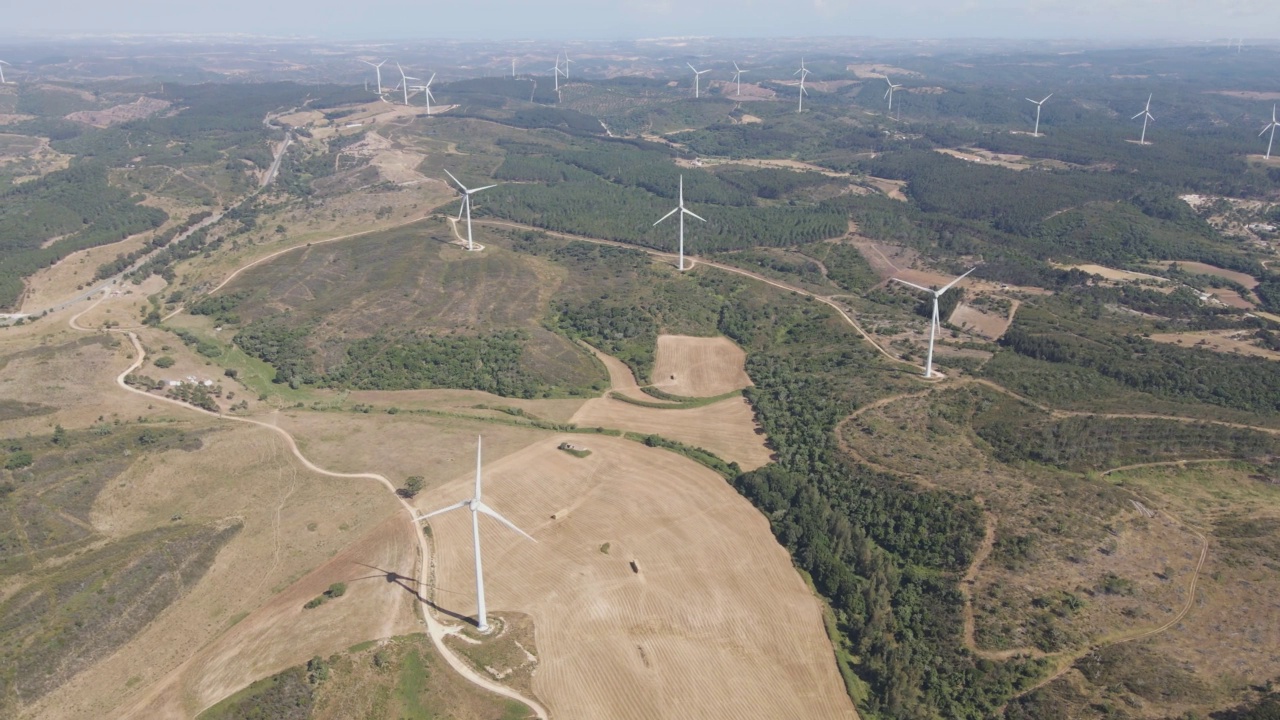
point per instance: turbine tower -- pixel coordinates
(513, 68)
(1145, 115)
(477, 507)
(2, 80)
(889, 93)
(803, 73)
(934, 324)
(1038, 104)
(737, 77)
(566, 64)
(557, 75)
(378, 69)
(680, 208)
(696, 75)
(466, 205)
(1270, 126)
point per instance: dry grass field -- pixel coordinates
(985, 324)
(1223, 341)
(699, 366)
(713, 621)
(1114, 274)
(1200, 268)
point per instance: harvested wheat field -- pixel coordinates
(655, 589)
(379, 602)
(699, 366)
(726, 428)
(1241, 342)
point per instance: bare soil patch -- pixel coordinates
(1200, 268)
(879, 70)
(889, 188)
(712, 622)
(1224, 341)
(138, 109)
(985, 324)
(1114, 274)
(699, 366)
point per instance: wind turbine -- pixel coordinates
(696, 75)
(889, 93)
(513, 68)
(404, 82)
(2, 80)
(477, 506)
(935, 324)
(566, 64)
(558, 73)
(378, 69)
(683, 211)
(1271, 126)
(737, 77)
(803, 73)
(426, 91)
(466, 205)
(1038, 104)
(1145, 115)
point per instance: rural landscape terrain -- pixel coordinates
(932, 402)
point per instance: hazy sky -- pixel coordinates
(614, 19)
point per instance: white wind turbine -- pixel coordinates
(477, 507)
(697, 74)
(1145, 115)
(426, 91)
(1272, 127)
(934, 324)
(378, 69)
(513, 68)
(889, 93)
(466, 205)
(680, 208)
(803, 73)
(404, 82)
(737, 77)
(1038, 104)
(566, 64)
(557, 75)
(2, 80)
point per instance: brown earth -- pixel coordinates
(136, 110)
(699, 366)
(1223, 341)
(985, 324)
(712, 622)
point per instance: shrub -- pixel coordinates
(164, 361)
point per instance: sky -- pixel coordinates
(633, 19)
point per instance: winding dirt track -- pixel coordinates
(435, 629)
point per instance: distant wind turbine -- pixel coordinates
(513, 68)
(558, 73)
(466, 205)
(1145, 115)
(377, 68)
(404, 82)
(680, 208)
(426, 91)
(737, 77)
(2, 80)
(1038, 104)
(1272, 127)
(696, 75)
(934, 324)
(803, 73)
(566, 64)
(477, 508)
(889, 93)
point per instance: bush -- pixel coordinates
(19, 459)
(413, 485)
(164, 361)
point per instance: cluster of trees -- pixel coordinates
(220, 307)
(75, 205)
(1096, 443)
(1168, 371)
(492, 363)
(124, 261)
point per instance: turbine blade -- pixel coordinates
(481, 507)
(1135, 117)
(951, 284)
(691, 67)
(690, 212)
(1264, 130)
(476, 190)
(886, 92)
(464, 187)
(911, 284)
(1033, 102)
(664, 217)
(1046, 97)
(433, 513)
(466, 199)
(735, 67)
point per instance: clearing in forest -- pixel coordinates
(699, 366)
(657, 591)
